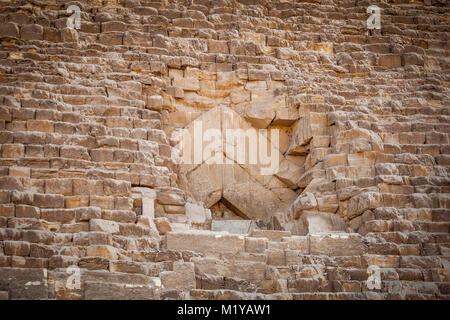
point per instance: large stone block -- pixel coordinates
(298, 243)
(337, 244)
(272, 235)
(233, 226)
(25, 283)
(48, 200)
(104, 251)
(16, 248)
(198, 214)
(181, 278)
(316, 222)
(362, 202)
(205, 241)
(32, 32)
(171, 196)
(10, 30)
(114, 291)
(256, 245)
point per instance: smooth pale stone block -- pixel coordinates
(233, 226)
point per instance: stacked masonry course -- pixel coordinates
(90, 184)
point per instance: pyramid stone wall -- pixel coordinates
(95, 202)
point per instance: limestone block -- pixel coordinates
(262, 109)
(247, 270)
(298, 243)
(13, 151)
(104, 226)
(88, 213)
(289, 173)
(303, 131)
(170, 196)
(69, 35)
(382, 261)
(7, 210)
(25, 211)
(163, 225)
(206, 183)
(25, 283)
(186, 84)
(317, 222)
(94, 263)
(95, 290)
(305, 201)
(390, 61)
(337, 244)
(198, 214)
(215, 46)
(32, 32)
(358, 138)
(105, 251)
(181, 278)
(233, 226)
(327, 203)
(231, 80)
(362, 202)
(48, 200)
(204, 241)
(58, 215)
(276, 257)
(16, 248)
(285, 116)
(9, 29)
(256, 245)
(154, 102)
(323, 47)
(272, 235)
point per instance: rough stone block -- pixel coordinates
(16, 248)
(10, 30)
(104, 226)
(104, 251)
(181, 278)
(32, 32)
(233, 226)
(206, 242)
(255, 245)
(48, 200)
(337, 244)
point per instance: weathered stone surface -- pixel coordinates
(204, 241)
(337, 244)
(25, 283)
(272, 235)
(255, 245)
(182, 277)
(163, 225)
(114, 291)
(233, 226)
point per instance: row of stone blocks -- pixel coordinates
(335, 244)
